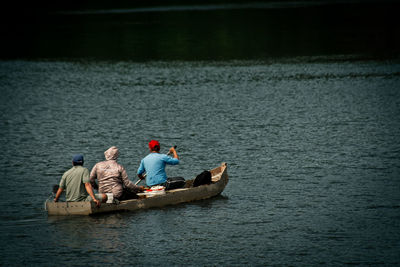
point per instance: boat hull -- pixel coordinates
(172, 197)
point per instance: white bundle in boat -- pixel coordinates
(110, 198)
(155, 190)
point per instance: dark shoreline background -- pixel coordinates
(215, 30)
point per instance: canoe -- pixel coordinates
(171, 197)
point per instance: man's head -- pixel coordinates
(154, 145)
(112, 153)
(77, 160)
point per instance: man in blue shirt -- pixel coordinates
(154, 164)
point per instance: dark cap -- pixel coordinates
(78, 158)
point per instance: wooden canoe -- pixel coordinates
(171, 197)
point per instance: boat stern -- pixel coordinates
(69, 208)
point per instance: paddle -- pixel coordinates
(144, 175)
(138, 181)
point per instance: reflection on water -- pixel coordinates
(112, 231)
(81, 232)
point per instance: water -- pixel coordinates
(312, 148)
(311, 141)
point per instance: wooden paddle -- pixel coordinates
(144, 175)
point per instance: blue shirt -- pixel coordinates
(154, 166)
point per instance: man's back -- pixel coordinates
(109, 175)
(154, 165)
(73, 181)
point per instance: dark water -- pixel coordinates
(311, 141)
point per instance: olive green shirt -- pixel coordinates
(73, 182)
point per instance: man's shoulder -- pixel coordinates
(78, 169)
(69, 170)
(154, 156)
(101, 164)
(81, 168)
(74, 171)
(149, 156)
(65, 174)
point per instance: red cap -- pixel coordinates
(153, 144)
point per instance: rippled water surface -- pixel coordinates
(312, 147)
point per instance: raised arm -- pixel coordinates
(172, 151)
